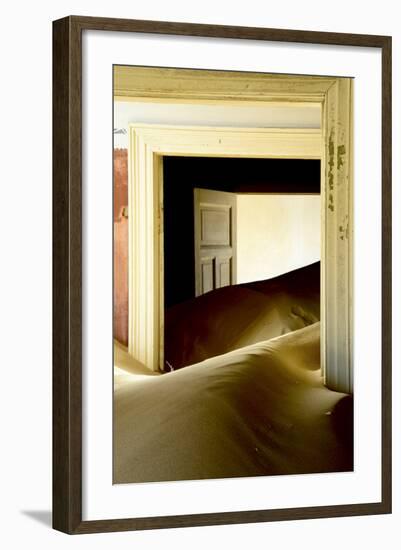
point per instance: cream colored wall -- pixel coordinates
(206, 114)
(276, 234)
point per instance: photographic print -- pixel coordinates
(221, 275)
(222, 206)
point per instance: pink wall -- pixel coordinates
(120, 320)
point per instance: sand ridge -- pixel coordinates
(259, 410)
(236, 316)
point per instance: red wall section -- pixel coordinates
(120, 181)
(120, 320)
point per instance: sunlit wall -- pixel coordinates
(276, 234)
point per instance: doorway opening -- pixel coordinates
(250, 224)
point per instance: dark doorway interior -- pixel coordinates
(236, 175)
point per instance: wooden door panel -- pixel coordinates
(208, 275)
(215, 225)
(223, 269)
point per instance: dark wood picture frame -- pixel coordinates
(67, 274)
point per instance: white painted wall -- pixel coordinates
(276, 234)
(256, 116)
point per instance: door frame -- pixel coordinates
(149, 143)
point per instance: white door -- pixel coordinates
(215, 215)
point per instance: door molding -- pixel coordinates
(148, 145)
(333, 144)
(178, 85)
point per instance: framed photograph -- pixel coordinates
(221, 274)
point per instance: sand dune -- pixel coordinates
(236, 316)
(251, 400)
(258, 410)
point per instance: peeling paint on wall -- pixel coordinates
(330, 175)
(331, 202)
(331, 161)
(344, 229)
(340, 154)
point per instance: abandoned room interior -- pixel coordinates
(221, 288)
